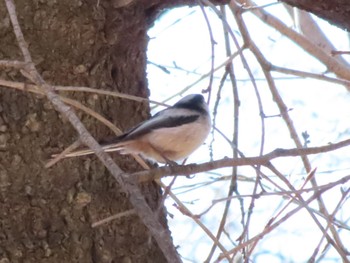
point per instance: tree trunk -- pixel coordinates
(337, 12)
(46, 214)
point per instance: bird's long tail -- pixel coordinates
(111, 145)
(67, 153)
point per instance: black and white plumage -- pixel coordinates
(170, 135)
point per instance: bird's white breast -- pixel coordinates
(179, 142)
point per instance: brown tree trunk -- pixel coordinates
(46, 214)
(337, 12)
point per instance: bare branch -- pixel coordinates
(271, 227)
(332, 64)
(228, 162)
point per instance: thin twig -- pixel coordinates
(204, 76)
(233, 183)
(187, 212)
(338, 246)
(35, 89)
(13, 64)
(305, 74)
(330, 220)
(60, 156)
(212, 43)
(19, 85)
(283, 219)
(114, 217)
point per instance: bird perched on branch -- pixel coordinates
(170, 135)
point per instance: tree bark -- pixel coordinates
(46, 214)
(337, 12)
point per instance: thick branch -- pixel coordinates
(332, 64)
(334, 11)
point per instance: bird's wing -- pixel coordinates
(158, 121)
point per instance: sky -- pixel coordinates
(179, 54)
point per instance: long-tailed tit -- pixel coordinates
(170, 135)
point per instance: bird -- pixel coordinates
(169, 136)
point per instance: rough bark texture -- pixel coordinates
(337, 12)
(46, 214)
